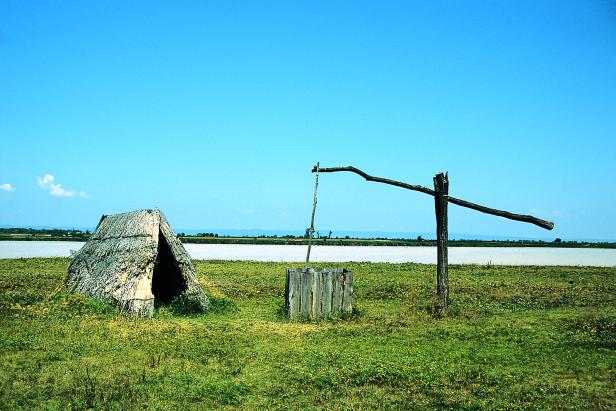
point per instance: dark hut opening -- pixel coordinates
(167, 280)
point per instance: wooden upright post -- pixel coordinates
(441, 189)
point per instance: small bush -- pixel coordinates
(182, 305)
(220, 305)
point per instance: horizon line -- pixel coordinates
(373, 233)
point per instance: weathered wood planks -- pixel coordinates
(318, 294)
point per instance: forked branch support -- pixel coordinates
(548, 225)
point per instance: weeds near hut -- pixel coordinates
(221, 305)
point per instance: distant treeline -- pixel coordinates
(39, 234)
(400, 242)
(35, 234)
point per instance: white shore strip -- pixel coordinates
(339, 254)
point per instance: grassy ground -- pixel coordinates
(516, 338)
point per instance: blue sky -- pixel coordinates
(216, 111)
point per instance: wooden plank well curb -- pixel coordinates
(318, 294)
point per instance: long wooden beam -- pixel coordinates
(548, 225)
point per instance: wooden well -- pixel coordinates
(318, 294)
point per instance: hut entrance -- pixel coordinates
(167, 280)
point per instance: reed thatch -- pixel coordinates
(134, 260)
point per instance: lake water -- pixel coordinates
(290, 253)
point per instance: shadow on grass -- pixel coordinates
(181, 306)
(355, 315)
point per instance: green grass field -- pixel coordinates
(515, 338)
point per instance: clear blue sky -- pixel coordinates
(216, 111)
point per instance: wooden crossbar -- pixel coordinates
(548, 225)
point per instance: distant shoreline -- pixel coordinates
(76, 235)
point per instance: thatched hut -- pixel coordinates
(134, 260)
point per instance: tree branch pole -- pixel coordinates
(548, 225)
(314, 208)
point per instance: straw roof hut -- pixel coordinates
(134, 260)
